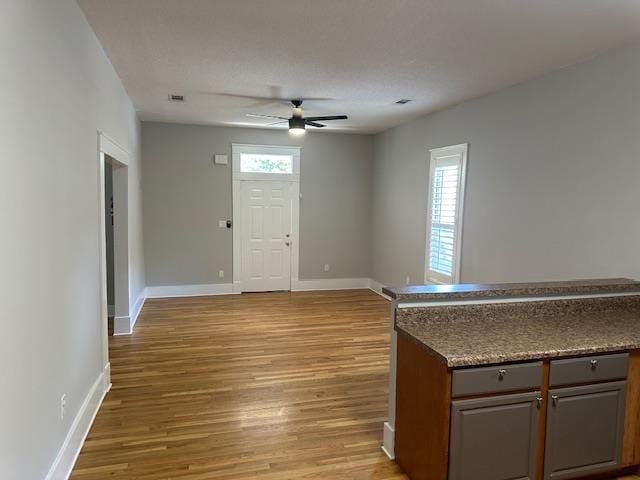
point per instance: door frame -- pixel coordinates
(119, 158)
(238, 177)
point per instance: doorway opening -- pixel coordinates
(108, 222)
(115, 241)
(113, 214)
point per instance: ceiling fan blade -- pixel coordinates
(262, 101)
(330, 117)
(255, 101)
(277, 123)
(314, 124)
(254, 115)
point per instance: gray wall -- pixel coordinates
(553, 179)
(185, 195)
(57, 89)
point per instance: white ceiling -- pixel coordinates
(362, 54)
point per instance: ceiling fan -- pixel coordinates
(297, 122)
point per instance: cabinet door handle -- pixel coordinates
(501, 373)
(554, 399)
(539, 400)
(594, 364)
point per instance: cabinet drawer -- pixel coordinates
(495, 379)
(590, 369)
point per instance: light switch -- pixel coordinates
(220, 159)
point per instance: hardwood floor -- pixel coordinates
(258, 386)
(269, 386)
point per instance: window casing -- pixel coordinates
(447, 173)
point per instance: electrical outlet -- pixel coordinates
(63, 405)
(221, 273)
(408, 280)
(326, 267)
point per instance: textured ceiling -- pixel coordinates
(362, 55)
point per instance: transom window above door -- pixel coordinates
(265, 162)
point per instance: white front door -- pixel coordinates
(266, 235)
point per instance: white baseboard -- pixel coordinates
(106, 377)
(189, 290)
(168, 291)
(329, 284)
(122, 325)
(377, 287)
(137, 308)
(68, 453)
(388, 440)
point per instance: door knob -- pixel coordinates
(287, 244)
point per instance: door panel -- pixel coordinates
(266, 251)
(494, 438)
(257, 225)
(584, 430)
(276, 222)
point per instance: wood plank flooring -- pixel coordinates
(255, 386)
(269, 386)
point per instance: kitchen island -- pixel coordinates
(529, 381)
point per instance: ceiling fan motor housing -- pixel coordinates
(296, 123)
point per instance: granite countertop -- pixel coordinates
(466, 291)
(497, 333)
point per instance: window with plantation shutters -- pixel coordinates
(446, 194)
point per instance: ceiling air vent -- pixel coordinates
(402, 101)
(176, 98)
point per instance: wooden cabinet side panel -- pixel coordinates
(631, 439)
(542, 421)
(423, 406)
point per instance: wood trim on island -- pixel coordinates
(542, 420)
(423, 409)
(631, 439)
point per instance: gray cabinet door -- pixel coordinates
(494, 438)
(584, 430)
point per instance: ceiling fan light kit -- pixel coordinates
(298, 123)
(297, 126)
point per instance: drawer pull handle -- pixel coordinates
(539, 400)
(554, 398)
(594, 364)
(501, 373)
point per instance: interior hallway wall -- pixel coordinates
(57, 90)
